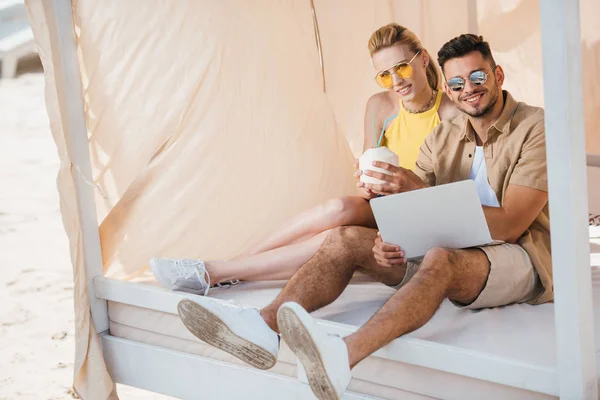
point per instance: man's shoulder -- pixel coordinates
(453, 127)
(528, 116)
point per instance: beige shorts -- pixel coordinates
(512, 277)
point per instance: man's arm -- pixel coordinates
(527, 191)
(401, 180)
(521, 206)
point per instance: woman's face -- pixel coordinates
(405, 88)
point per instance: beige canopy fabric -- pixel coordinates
(208, 124)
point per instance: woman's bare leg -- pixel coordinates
(277, 264)
(349, 210)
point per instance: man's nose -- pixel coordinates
(469, 86)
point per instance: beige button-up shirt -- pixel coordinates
(515, 153)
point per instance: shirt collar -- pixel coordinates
(502, 124)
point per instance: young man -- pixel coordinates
(497, 142)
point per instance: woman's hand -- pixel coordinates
(362, 191)
(401, 180)
(387, 255)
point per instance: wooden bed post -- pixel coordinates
(565, 139)
(68, 83)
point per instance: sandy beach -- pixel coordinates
(36, 280)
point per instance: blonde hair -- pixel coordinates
(393, 34)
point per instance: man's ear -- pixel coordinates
(499, 73)
(447, 90)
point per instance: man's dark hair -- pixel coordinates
(463, 45)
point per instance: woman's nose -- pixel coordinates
(396, 80)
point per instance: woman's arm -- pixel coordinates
(377, 105)
(377, 108)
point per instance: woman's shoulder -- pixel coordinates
(382, 104)
(447, 109)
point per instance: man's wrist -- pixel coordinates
(417, 183)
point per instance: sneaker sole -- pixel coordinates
(302, 344)
(208, 327)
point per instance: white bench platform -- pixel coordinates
(507, 352)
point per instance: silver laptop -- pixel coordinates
(448, 216)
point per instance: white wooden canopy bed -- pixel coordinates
(515, 352)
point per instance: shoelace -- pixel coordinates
(235, 305)
(201, 273)
(227, 284)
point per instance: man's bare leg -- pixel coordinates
(456, 274)
(349, 210)
(322, 279)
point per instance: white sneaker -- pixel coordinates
(181, 274)
(323, 356)
(239, 331)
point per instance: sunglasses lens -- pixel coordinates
(404, 71)
(478, 78)
(456, 84)
(384, 80)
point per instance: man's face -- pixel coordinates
(474, 100)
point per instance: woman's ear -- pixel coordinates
(425, 59)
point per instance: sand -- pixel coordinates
(36, 280)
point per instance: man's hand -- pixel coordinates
(387, 255)
(401, 180)
(362, 191)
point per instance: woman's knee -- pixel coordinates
(346, 210)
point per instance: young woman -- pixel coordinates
(407, 111)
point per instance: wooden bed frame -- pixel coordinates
(176, 374)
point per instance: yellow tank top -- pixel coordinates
(407, 132)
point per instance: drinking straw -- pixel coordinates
(383, 129)
(374, 129)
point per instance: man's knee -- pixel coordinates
(441, 254)
(354, 234)
(353, 240)
(464, 272)
(439, 262)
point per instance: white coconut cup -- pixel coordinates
(365, 162)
